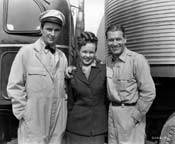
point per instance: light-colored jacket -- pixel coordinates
(129, 81)
(38, 96)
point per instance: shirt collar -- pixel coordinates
(94, 64)
(123, 56)
(43, 45)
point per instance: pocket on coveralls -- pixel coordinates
(36, 79)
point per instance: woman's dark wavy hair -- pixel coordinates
(86, 37)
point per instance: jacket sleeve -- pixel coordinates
(70, 95)
(106, 91)
(146, 87)
(16, 86)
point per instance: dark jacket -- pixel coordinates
(87, 102)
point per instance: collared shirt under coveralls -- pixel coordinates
(128, 81)
(36, 87)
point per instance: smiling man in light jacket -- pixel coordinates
(131, 90)
(36, 85)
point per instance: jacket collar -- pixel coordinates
(39, 47)
(122, 57)
(95, 70)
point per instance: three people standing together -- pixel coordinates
(37, 89)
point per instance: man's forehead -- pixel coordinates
(116, 33)
(52, 25)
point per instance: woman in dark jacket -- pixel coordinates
(87, 98)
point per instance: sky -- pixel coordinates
(94, 11)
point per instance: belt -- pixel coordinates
(122, 104)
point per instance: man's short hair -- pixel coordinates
(115, 27)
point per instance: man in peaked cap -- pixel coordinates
(36, 85)
(54, 16)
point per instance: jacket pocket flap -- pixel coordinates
(36, 71)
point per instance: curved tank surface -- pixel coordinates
(150, 30)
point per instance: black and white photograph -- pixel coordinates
(87, 71)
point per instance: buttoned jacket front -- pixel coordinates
(87, 102)
(38, 95)
(130, 81)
